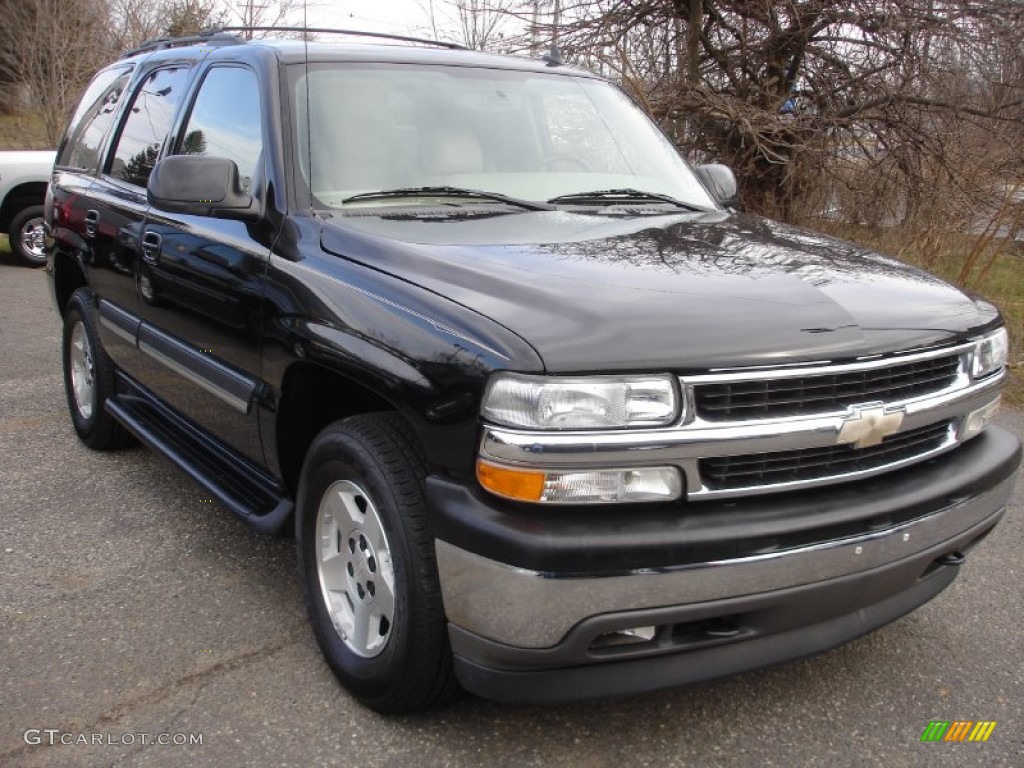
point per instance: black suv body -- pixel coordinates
(593, 441)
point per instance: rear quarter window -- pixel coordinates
(81, 146)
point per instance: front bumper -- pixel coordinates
(533, 597)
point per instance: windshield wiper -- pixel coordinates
(529, 205)
(625, 195)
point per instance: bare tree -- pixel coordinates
(10, 87)
(262, 13)
(133, 22)
(477, 24)
(52, 58)
(481, 22)
(190, 17)
(788, 92)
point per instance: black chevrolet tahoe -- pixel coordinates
(548, 417)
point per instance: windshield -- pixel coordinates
(533, 136)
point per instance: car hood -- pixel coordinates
(22, 162)
(665, 292)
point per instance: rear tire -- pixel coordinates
(89, 376)
(26, 236)
(366, 557)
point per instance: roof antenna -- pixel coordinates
(554, 56)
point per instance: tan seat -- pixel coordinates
(450, 152)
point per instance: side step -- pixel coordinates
(234, 482)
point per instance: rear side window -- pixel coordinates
(147, 124)
(225, 121)
(80, 148)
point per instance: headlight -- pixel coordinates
(990, 353)
(599, 402)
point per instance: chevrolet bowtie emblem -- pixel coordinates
(869, 425)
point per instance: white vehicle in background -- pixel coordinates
(24, 177)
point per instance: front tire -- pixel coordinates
(26, 236)
(366, 556)
(89, 376)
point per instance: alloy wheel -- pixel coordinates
(83, 371)
(31, 236)
(353, 560)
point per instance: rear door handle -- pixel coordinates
(92, 220)
(151, 247)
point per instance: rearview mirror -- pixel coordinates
(200, 186)
(721, 183)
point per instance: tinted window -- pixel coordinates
(96, 110)
(225, 120)
(147, 125)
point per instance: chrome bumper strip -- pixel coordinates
(530, 609)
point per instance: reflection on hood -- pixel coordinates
(682, 290)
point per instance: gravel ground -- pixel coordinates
(129, 605)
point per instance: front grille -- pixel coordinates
(823, 393)
(766, 469)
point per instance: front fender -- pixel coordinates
(423, 353)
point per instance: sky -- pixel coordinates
(395, 16)
(400, 17)
(372, 15)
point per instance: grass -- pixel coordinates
(994, 270)
(22, 131)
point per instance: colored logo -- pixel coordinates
(958, 730)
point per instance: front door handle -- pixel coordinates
(151, 247)
(92, 220)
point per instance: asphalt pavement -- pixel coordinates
(130, 607)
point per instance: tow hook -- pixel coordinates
(952, 558)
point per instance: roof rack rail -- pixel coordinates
(206, 37)
(352, 32)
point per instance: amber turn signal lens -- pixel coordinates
(518, 484)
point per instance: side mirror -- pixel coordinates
(200, 186)
(721, 183)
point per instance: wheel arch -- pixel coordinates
(68, 276)
(312, 396)
(19, 198)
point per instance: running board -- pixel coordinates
(239, 486)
